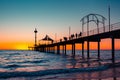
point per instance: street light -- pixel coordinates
(35, 31)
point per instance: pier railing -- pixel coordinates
(113, 27)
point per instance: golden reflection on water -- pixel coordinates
(3, 70)
(30, 69)
(109, 74)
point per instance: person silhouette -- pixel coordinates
(76, 35)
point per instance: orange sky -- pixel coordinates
(104, 44)
(15, 45)
(19, 18)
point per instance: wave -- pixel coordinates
(52, 71)
(16, 66)
(12, 66)
(37, 61)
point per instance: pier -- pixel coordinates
(111, 31)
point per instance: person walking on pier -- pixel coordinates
(76, 35)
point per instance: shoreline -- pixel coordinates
(109, 73)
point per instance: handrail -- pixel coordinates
(113, 27)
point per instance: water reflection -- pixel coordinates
(35, 61)
(110, 74)
(83, 63)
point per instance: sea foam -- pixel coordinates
(51, 71)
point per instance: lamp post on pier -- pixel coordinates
(35, 31)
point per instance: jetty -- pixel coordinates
(111, 31)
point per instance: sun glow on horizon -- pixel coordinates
(15, 45)
(21, 47)
(104, 45)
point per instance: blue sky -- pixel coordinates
(18, 18)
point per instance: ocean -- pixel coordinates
(35, 65)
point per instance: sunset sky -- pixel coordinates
(19, 18)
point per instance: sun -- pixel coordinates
(21, 47)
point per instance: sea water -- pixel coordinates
(18, 63)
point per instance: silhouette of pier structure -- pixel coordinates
(111, 31)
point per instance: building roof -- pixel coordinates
(47, 38)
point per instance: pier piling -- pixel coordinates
(65, 49)
(88, 48)
(83, 50)
(113, 50)
(58, 49)
(98, 50)
(73, 49)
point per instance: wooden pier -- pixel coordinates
(112, 31)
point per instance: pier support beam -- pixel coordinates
(49, 49)
(73, 49)
(113, 50)
(83, 50)
(65, 49)
(44, 49)
(88, 48)
(53, 49)
(98, 50)
(58, 49)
